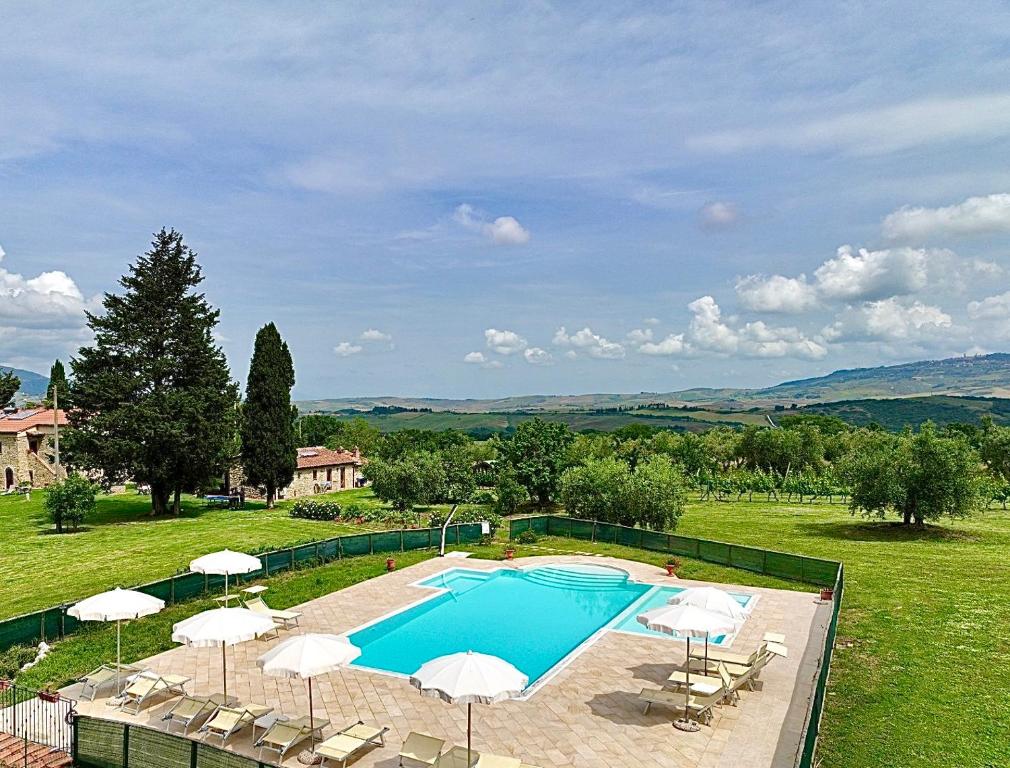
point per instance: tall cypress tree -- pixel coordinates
(58, 382)
(269, 447)
(153, 398)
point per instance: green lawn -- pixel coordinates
(123, 546)
(921, 675)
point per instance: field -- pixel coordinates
(123, 546)
(921, 674)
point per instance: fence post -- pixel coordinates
(266, 564)
(340, 547)
(641, 538)
(192, 754)
(457, 534)
(171, 590)
(126, 745)
(371, 549)
(291, 558)
(317, 551)
(401, 540)
(764, 561)
(593, 535)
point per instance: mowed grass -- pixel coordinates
(122, 545)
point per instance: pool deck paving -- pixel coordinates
(588, 715)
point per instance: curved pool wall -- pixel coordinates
(533, 618)
(657, 596)
(536, 618)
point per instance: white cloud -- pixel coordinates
(776, 293)
(673, 344)
(346, 349)
(976, 215)
(876, 130)
(474, 358)
(593, 344)
(709, 332)
(48, 300)
(504, 342)
(373, 334)
(651, 321)
(866, 274)
(640, 335)
(892, 319)
(504, 230)
(719, 214)
(991, 308)
(537, 356)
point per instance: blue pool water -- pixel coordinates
(628, 621)
(531, 618)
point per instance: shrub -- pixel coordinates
(316, 510)
(13, 659)
(509, 494)
(475, 515)
(70, 501)
(484, 496)
(528, 536)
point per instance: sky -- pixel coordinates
(480, 200)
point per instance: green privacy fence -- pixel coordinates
(53, 623)
(101, 743)
(811, 570)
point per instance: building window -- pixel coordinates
(329, 474)
(314, 473)
(343, 477)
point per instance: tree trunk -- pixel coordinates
(159, 499)
(271, 495)
(906, 516)
(177, 500)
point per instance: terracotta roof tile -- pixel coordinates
(25, 419)
(318, 456)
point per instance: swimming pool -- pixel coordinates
(533, 618)
(628, 620)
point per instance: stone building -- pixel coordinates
(26, 448)
(320, 470)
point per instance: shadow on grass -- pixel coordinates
(882, 531)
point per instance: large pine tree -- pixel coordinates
(9, 386)
(58, 382)
(153, 397)
(269, 447)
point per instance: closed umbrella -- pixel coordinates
(117, 605)
(686, 621)
(307, 656)
(468, 678)
(221, 627)
(225, 563)
(711, 599)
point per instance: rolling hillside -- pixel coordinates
(980, 376)
(32, 384)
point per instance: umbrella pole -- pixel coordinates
(469, 708)
(224, 670)
(685, 723)
(119, 653)
(312, 722)
(706, 653)
(226, 588)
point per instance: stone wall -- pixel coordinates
(24, 465)
(308, 482)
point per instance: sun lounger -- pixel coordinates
(420, 749)
(287, 618)
(729, 657)
(284, 734)
(497, 761)
(346, 743)
(457, 757)
(699, 706)
(190, 710)
(148, 685)
(104, 675)
(227, 721)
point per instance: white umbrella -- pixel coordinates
(307, 656)
(225, 563)
(117, 605)
(468, 678)
(711, 599)
(687, 621)
(221, 627)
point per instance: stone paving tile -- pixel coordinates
(586, 716)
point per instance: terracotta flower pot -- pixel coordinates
(827, 594)
(671, 569)
(510, 554)
(390, 564)
(50, 696)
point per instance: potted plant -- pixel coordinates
(5, 684)
(510, 552)
(390, 564)
(827, 594)
(672, 565)
(49, 693)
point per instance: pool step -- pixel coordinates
(564, 578)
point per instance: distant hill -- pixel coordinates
(895, 414)
(32, 384)
(980, 376)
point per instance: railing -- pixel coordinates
(55, 622)
(99, 743)
(812, 570)
(36, 718)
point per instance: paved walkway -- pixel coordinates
(587, 716)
